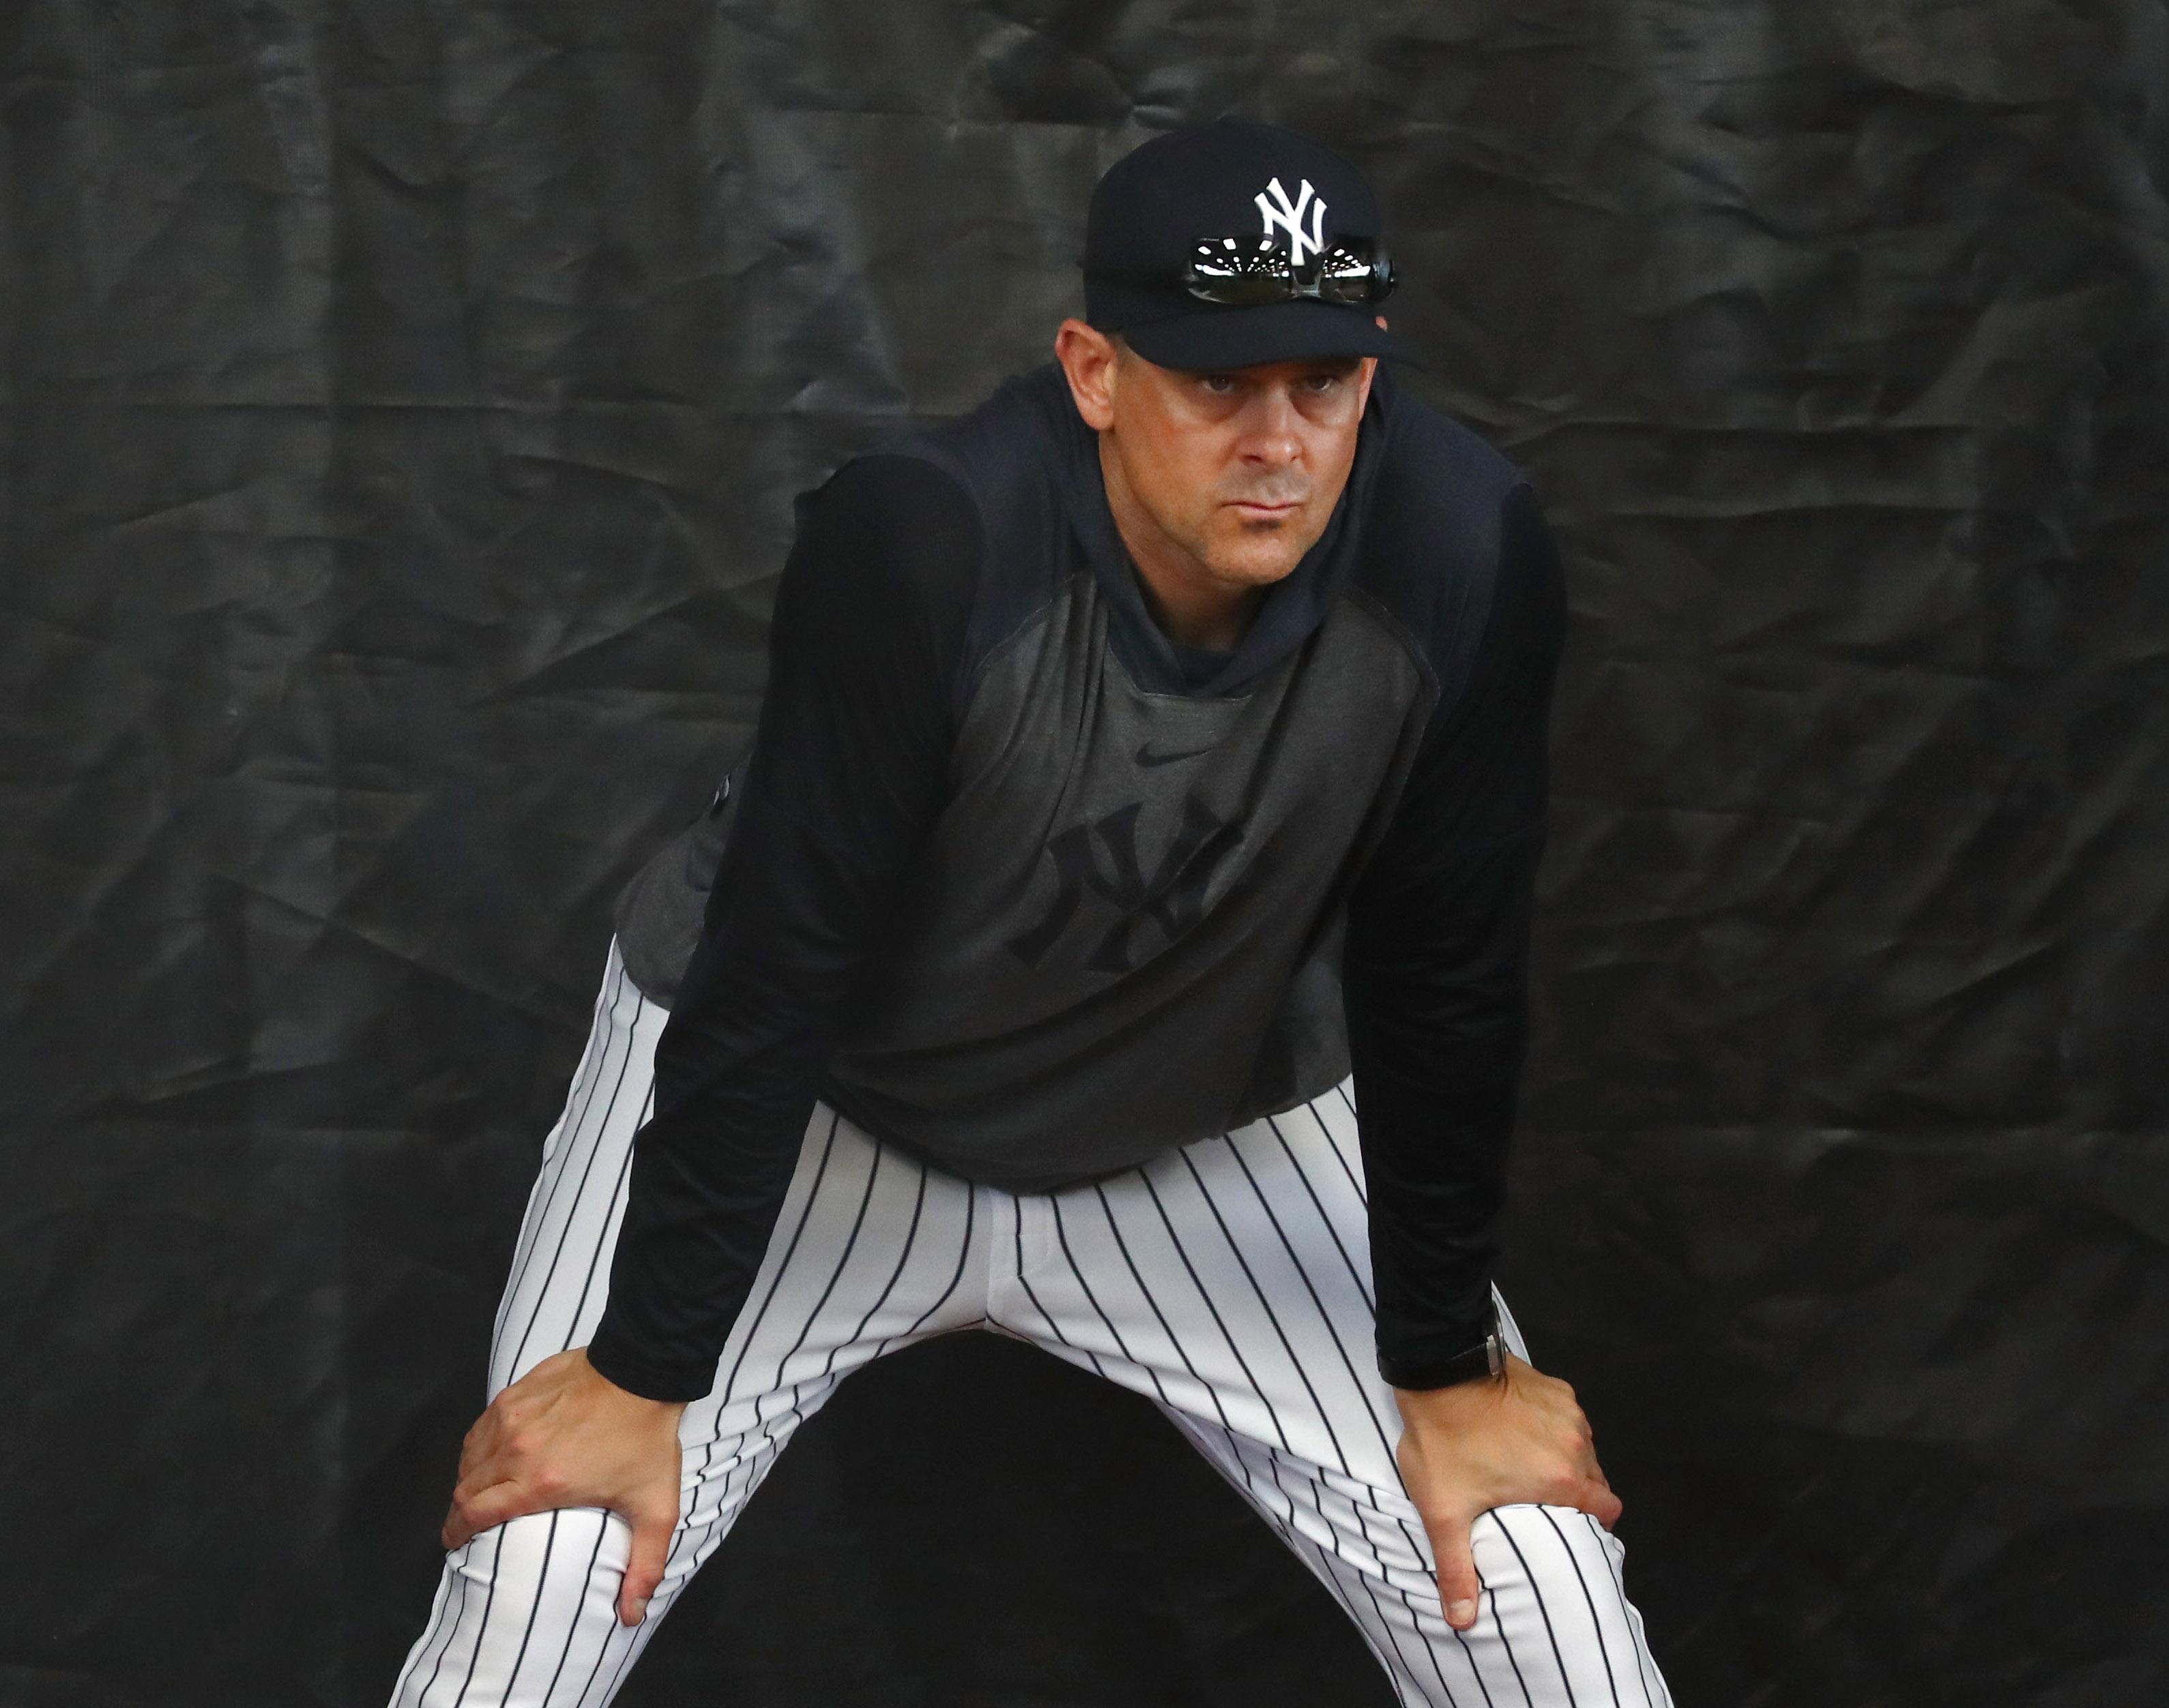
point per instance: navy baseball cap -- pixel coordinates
(1206, 184)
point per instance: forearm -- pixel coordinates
(699, 1217)
(848, 772)
(1436, 972)
(1437, 1105)
(1437, 1025)
(736, 1070)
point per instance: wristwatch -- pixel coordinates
(1485, 1357)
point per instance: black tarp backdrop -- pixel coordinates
(403, 401)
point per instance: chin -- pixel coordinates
(1256, 563)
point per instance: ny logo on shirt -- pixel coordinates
(1173, 897)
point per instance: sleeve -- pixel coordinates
(848, 769)
(1435, 976)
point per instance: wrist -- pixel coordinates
(1452, 1400)
(1478, 1355)
(623, 1398)
(638, 1377)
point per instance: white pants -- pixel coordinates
(1228, 1281)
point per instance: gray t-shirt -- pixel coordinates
(1022, 886)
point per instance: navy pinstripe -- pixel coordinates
(600, 1040)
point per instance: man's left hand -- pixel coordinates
(1515, 1437)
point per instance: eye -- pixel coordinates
(1321, 384)
(1217, 385)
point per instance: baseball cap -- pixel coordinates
(1230, 179)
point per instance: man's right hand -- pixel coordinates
(564, 1435)
(1513, 1438)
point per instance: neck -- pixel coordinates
(1189, 602)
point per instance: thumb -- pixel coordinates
(644, 1563)
(1458, 1585)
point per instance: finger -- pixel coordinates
(643, 1565)
(1597, 1500)
(459, 1529)
(486, 1509)
(1458, 1584)
(481, 1437)
(488, 1473)
(511, 1458)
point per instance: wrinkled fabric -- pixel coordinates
(401, 407)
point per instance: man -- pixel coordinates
(1118, 943)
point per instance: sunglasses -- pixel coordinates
(1251, 272)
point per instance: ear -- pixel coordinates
(1089, 357)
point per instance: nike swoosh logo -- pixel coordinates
(1147, 757)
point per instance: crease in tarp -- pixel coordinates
(1831, 335)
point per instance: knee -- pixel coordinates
(545, 1582)
(1538, 1551)
(521, 1553)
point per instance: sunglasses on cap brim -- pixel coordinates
(1251, 272)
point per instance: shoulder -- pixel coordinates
(1012, 466)
(1442, 507)
(1011, 455)
(887, 535)
(1438, 496)
(891, 501)
(957, 531)
(885, 566)
(999, 466)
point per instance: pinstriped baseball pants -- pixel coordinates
(1228, 1281)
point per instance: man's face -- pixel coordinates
(1232, 476)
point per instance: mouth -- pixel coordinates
(1251, 511)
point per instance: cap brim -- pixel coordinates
(1279, 331)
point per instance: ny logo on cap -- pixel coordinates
(1288, 216)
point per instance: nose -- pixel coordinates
(1273, 437)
